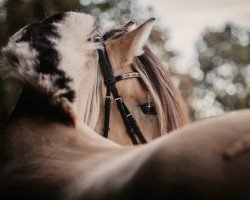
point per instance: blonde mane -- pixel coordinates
(89, 93)
(171, 109)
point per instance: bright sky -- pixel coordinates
(186, 19)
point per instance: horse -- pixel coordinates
(52, 148)
(75, 55)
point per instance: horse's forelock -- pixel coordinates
(174, 112)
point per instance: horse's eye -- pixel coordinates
(148, 109)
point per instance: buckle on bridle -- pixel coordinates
(118, 99)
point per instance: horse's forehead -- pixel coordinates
(131, 89)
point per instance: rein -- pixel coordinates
(110, 81)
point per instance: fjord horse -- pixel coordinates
(51, 147)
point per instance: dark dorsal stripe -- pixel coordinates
(39, 35)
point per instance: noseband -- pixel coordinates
(110, 81)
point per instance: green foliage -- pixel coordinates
(223, 66)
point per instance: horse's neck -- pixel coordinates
(33, 146)
(34, 103)
(29, 130)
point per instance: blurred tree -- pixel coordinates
(18, 13)
(14, 14)
(222, 72)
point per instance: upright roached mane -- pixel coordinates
(53, 60)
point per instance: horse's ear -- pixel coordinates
(130, 26)
(131, 43)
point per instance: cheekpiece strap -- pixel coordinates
(110, 80)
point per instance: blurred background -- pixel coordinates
(205, 44)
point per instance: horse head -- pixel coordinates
(56, 61)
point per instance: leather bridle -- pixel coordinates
(110, 81)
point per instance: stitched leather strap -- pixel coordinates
(110, 81)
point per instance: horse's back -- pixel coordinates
(191, 164)
(187, 164)
(40, 158)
